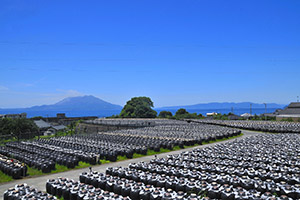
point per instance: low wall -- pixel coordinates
(95, 128)
(295, 119)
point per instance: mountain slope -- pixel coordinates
(72, 106)
(82, 103)
(225, 105)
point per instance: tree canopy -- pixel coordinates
(165, 114)
(19, 128)
(138, 107)
(183, 114)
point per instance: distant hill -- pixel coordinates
(83, 103)
(225, 105)
(93, 106)
(72, 106)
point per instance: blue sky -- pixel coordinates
(176, 52)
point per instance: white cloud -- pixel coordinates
(70, 93)
(33, 83)
(28, 84)
(17, 99)
(50, 98)
(3, 88)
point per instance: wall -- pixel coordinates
(95, 128)
(295, 119)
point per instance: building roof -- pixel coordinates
(292, 109)
(233, 117)
(42, 124)
(294, 105)
(289, 116)
(269, 114)
(246, 115)
(59, 127)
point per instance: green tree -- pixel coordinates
(183, 114)
(200, 116)
(165, 114)
(138, 107)
(19, 128)
(181, 111)
(37, 118)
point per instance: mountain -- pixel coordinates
(225, 105)
(225, 108)
(81, 103)
(72, 106)
(92, 106)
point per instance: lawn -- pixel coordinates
(5, 178)
(60, 168)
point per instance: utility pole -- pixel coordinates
(265, 111)
(250, 108)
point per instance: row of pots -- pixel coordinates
(200, 170)
(74, 190)
(101, 144)
(123, 122)
(44, 157)
(128, 187)
(43, 154)
(128, 142)
(115, 180)
(31, 159)
(193, 132)
(142, 172)
(265, 126)
(12, 167)
(25, 192)
(266, 152)
(289, 177)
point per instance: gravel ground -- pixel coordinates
(40, 182)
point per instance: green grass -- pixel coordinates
(176, 148)
(4, 141)
(137, 155)
(82, 165)
(5, 178)
(220, 140)
(121, 158)
(58, 168)
(190, 146)
(32, 172)
(104, 161)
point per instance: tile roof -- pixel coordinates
(292, 109)
(42, 124)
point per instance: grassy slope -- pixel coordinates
(5, 178)
(60, 168)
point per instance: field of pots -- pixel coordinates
(186, 132)
(264, 167)
(25, 192)
(44, 154)
(124, 122)
(264, 126)
(12, 167)
(139, 122)
(260, 167)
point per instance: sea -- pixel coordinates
(237, 111)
